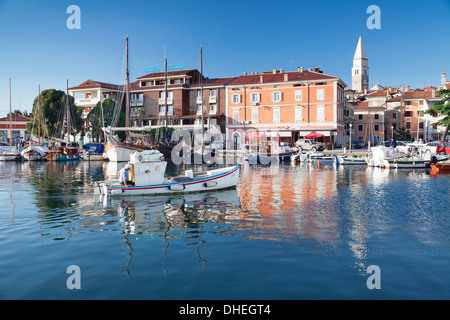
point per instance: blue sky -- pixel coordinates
(36, 47)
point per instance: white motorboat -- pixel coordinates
(148, 174)
(9, 153)
(384, 157)
(349, 161)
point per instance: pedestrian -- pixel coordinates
(393, 144)
(124, 176)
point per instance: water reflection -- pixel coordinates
(319, 209)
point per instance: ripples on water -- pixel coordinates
(290, 232)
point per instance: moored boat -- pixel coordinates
(94, 152)
(9, 153)
(349, 161)
(34, 153)
(148, 175)
(63, 154)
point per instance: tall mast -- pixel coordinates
(39, 115)
(201, 84)
(68, 110)
(127, 105)
(165, 97)
(10, 115)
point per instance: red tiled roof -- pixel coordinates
(97, 84)
(169, 73)
(16, 118)
(418, 94)
(213, 82)
(279, 77)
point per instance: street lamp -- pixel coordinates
(350, 125)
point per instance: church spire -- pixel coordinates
(360, 69)
(360, 52)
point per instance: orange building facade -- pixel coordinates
(285, 106)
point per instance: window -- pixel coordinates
(408, 103)
(255, 97)
(408, 125)
(199, 109)
(276, 96)
(236, 98)
(235, 116)
(376, 117)
(162, 109)
(170, 110)
(276, 115)
(420, 125)
(360, 127)
(360, 117)
(213, 108)
(254, 115)
(212, 92)
(320, 114)
(298, 115)
(298, 95)
(408, 113)
(376, 127)
(320, 94)
(394, 115)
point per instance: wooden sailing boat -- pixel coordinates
(11, 152)
(116, 150)
(67, 152)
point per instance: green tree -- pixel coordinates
(52, 114)
(109, 110)
(402, 134)
(441, 108)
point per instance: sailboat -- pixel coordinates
(11, 152)
(36, 152)
(116, 150)
(68, 152)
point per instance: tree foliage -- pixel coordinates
(441, 109)
(109, 110)
(52, 114)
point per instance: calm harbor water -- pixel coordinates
(299, 232)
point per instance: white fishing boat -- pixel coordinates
(384, 157)
(343, 160)
(9, 153)
(148, 175)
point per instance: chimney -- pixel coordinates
(365, 90)
(274, 71)
(286, 77)
(244, 74)
(433, 93)
(281, 70)
(316, 69)
(309, 69)
(301, 68)
(409, 88)
(261, 79)
(443, 78)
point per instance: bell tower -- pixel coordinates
(360, 69)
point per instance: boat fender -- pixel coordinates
(210, 184)
(176, 187)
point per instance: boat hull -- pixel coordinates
(217, 179)
(119, 154)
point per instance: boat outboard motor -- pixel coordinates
(433, 160)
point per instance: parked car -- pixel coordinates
(443, 148)
(357, 144)
(430, 147)
(401, 146)
(308, 145)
